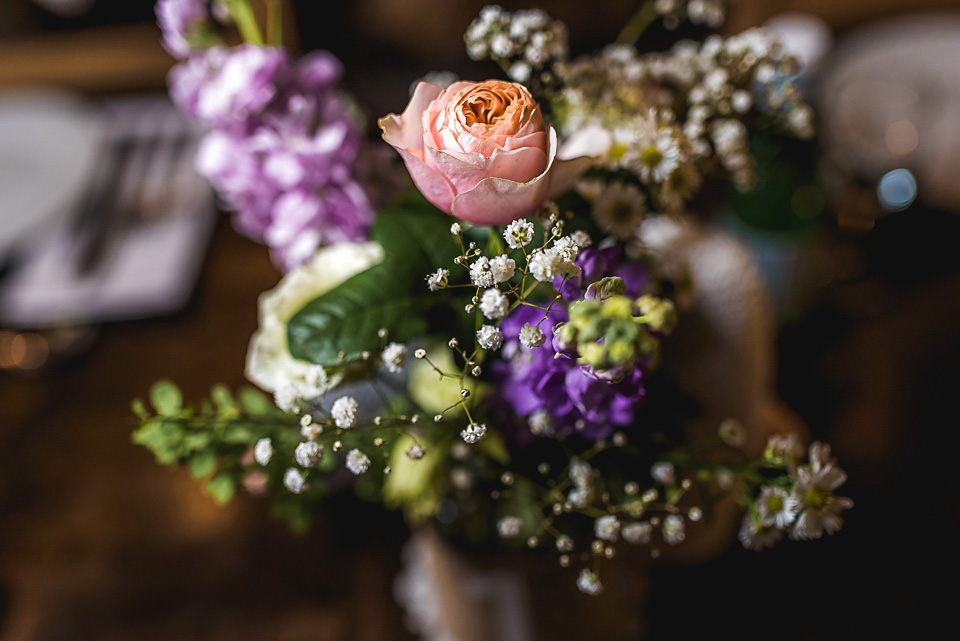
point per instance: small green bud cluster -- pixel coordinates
(615, 331)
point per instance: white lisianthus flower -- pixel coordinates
(269, 363)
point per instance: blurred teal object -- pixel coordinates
(781, 217)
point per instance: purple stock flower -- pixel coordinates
(576, 399)
(282, 148)
(177, 18)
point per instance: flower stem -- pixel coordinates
(642, 19)
(243, 16)
(275, 22)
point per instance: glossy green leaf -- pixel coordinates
(346, 320)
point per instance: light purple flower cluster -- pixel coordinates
(283, 146)
(576, 399)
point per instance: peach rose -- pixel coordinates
(481, 150)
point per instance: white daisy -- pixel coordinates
(757, 536)
(619, 209)
(775, 507)
(819, 508)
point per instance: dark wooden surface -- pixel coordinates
(99, 542)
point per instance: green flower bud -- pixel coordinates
(620, 352)
(659, 313)
(606, 288)
(617, 307)
(592, 354)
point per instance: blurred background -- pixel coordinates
(857, 234)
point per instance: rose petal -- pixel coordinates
(495, 201)
(540, 139)
(429, 181)
(576, 155)
(463, 170)
(406, 130)
(592, 140)
(519, 165)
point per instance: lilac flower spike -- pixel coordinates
(282, 151)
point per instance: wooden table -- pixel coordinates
(97, 541)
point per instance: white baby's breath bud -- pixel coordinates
(344, 411)
(503, 267)
(357, 462)
(438, 279)
(519, 71)
(494, 304)
(420, 353)
(581, 238)
(286, 398)
(589, 583)
(567, 248)
(581, 473)
(316, 380)
(547, 264)
(416, 452)
(394, 356)
(480, 273)
(531, 336)
(519, 233)
(308, 454)
(540, 423)
(489, 337)
(674, 531)
(664, 473)
(263, 451)
(294, 480)
(473, 432)
(741, 101)
(501, 45)
(310, 431)
(564, 543)
(606, 528)
(509, 527)
(637, 533)
(455, 229)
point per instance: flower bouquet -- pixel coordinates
(537, 350)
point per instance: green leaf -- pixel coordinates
(166, 398)
(139, 408)
(255, 402)
(346, 320)
(223, 399)
(222, 487)
(202, 464)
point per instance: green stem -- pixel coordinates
(275, 22)
(246, 21)
(642, 19)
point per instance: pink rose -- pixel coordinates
(481, 150)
